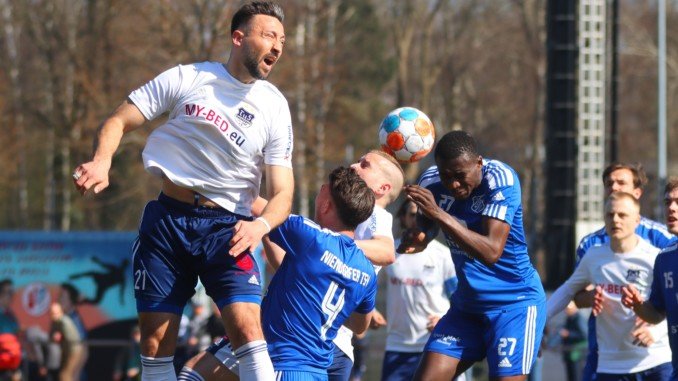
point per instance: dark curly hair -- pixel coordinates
(455, 144)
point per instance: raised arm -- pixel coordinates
(486, 247)
(94, 174)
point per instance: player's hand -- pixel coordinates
(642, 336)
(92, 175)
(584, 298)
(246, 236)
(598, 299)
(564, 332)
(631, 297)
(378, 320)
(432, 321)
(424, 200)
(412, 241)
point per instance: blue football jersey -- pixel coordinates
(323, 278)
(512, 281)
(664, 295)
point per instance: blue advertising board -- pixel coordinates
(97, 264)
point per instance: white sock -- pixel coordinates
(255, 364)
(188, 374)
(157, 369)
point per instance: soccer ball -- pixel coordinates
(407, 134)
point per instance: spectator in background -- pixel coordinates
(8, 322)
(69, 298)
(41, 356)
(573, 338)
(64, 332)
(10, 348)
(418, 290)
(128, 363)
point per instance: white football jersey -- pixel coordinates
(220, 132)
(379, 223)
(416, 290)
(601, 266)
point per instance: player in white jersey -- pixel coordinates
(617, 177)
(385, 177)
(626, 259)
(662, 302)
(226, 126)
(417, 295)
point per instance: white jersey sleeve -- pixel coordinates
(564, 294)
(162, 92)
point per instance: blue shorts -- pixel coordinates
(399, 366)
(178, 243)
(658, 373)
(509, 339)
(299, 375)
(340, 370)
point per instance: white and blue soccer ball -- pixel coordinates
(407, 134)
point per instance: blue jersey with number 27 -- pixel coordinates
(512, 281)
(323, 278)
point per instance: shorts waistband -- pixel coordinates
(197, 211)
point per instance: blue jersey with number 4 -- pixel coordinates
(323, 278)
(512, 281)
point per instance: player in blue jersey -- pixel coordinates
(498, 310)
(324, 281)
(663, 300)
(628, 178)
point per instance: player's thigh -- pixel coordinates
(162, 273)
(211, 368)
(159, 332)
(399, 366)
(437, 366)
(513, 339)
(242, 322)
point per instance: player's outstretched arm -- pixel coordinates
(631, 298)
(380, 250)
(358, 323)
(280, 189)
(94, 174)
(486, 247)
(559, 300)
